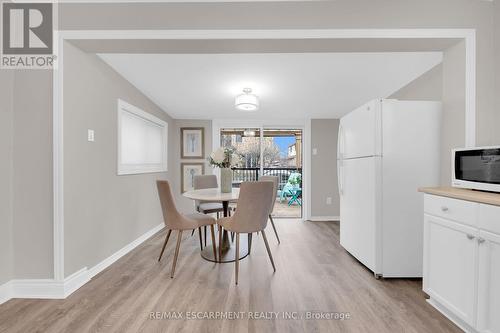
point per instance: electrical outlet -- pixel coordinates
(90, 135)
(329, 200)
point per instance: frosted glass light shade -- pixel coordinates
(247, 101)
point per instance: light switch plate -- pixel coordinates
(90, 135)
(315, 151)
(329, 200)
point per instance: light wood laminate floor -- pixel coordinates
(314, 273)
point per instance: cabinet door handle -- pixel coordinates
(481, 240)
(469, 236)
(444, 209)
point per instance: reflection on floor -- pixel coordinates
(315, 277)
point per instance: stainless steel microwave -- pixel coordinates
(476, 168)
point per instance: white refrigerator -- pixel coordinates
(386, 150)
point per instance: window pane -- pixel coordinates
(245, 142)
(133, 135)
(153, 145)
(142, 141)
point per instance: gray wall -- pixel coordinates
(25, 175)
(103, 211)
(453, 121)
(444, 83)
(6, 174)
(497, 67)
(184, 204)
(427, 87)
(32, 182)
(324, 134)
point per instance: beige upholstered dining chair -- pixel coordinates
(254, 205)
(274, 180)
(202, 182)
(206, 207)
(176, 221)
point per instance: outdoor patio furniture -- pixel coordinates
(292, 189)
(296, 194)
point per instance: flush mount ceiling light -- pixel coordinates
(247, 101)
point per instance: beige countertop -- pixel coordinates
(464, 194)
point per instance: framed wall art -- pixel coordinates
(188, 171)
(192, 142)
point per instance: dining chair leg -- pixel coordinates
(205, 231)
(249, 242)
(274, 228)
(268, 249)
(232, 237)
(201, 241)
(165, 244)
(220, 243)
(192, 233)
(237, 257)
(179, 238)
(214, 247)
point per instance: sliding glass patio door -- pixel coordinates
(274, 152)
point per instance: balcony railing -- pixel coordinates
(252, 174)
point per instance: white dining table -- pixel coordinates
(225, 251)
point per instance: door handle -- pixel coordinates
(340, 162)
(340, 175)
(445, 209)
(481, 240)
(469, 236)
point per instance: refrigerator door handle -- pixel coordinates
(340, 143)
(340, 176)
(340, 156)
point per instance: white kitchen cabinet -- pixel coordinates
(450, 258)
(462, 261)
(488, 308)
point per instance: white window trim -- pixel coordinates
(124, 169)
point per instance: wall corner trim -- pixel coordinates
(54, 289)
(43, 288)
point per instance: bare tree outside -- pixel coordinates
(249, 149)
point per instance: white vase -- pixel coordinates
(226, 180)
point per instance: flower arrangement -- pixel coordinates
(224, 158)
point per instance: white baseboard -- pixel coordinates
(52, 289)
(448, 314)
(37, 288)
(43, 288)
(5, 292)
(123, 251)
(323, 218)
(75, 281)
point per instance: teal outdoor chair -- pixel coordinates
(290, 189)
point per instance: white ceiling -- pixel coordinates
(289, 85)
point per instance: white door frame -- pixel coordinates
(468, 35)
